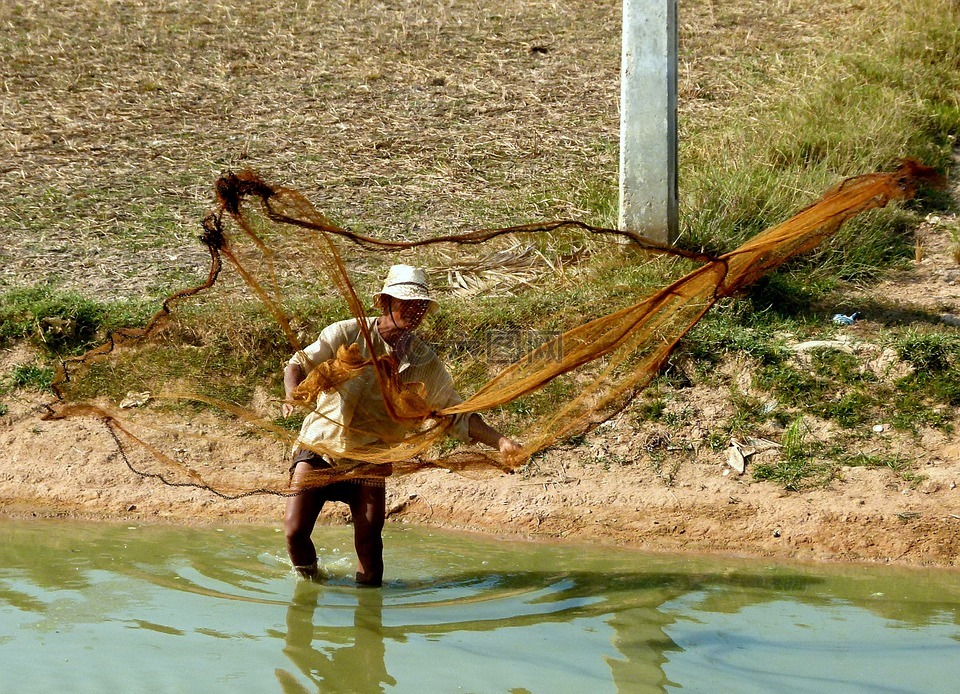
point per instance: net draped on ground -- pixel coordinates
(543, 385)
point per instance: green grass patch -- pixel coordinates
(850, 112)
(291, 423)
(798, 466)
(63, 322)
(930, 351)
(905, 468)
(834, 386)
(542, 402)
(651, 409)
(222, 350)
(30, 376)
(930, 395)
(894, 461)
(734, 326)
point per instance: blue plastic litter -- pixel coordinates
(841, 319)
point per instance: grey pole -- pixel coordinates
(648, 119)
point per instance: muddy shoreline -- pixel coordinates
(71, 470)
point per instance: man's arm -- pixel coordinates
(292, 376)
(305, 359)
(482, 432)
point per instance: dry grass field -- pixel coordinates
(397, 118)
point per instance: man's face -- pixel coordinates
(406, 314)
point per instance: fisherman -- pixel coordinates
(354, 416)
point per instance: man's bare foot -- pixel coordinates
(310, 572)
(369, 581)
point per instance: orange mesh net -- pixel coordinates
(541, 385)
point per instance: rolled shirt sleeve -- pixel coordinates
(324, 348)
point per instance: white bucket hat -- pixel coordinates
(407, 283)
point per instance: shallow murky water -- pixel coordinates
(94, 608)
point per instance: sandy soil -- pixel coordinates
(70, 469)
(627, 484)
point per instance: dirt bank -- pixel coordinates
(629, 483)
(604, 490)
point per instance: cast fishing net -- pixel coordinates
(546, 329)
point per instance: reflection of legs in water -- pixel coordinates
(298, 644)
(345, 658)
(368, 509)
(368, 659)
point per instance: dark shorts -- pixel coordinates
(343, 488)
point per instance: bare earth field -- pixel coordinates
(416, 119)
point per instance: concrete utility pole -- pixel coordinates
(648, 119)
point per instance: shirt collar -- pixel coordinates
(383, 347)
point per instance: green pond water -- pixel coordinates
(115, 608)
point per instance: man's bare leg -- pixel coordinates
(299, 520)
(369, 513)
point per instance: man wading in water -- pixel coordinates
(354, 415)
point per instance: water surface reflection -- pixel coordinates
(173, 609)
